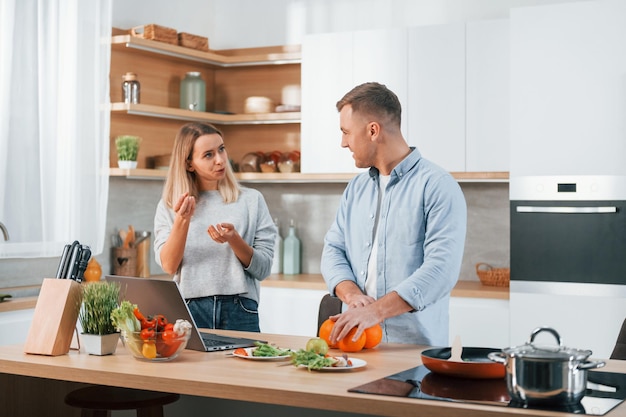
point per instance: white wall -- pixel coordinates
(251, 23)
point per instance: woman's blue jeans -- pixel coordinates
(227, 312)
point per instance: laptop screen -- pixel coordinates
(159, 296)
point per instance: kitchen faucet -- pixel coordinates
(5, 232)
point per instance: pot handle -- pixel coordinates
(590, 365)
(545, 329)
(497, 357)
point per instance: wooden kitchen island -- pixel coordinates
(35, 385)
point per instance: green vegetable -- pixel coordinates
(123, 317)
(264, 349)
(311, 359)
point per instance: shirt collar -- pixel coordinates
(400, 170)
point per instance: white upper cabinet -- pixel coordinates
(333, 64)
(436, 94)
(326, 77)
(568, 100)
(381, 56)
(454, 91)
(487, 96)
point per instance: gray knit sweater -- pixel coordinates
(210, 268)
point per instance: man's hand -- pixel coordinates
(369, 313)
(360, 317)
(359, 300)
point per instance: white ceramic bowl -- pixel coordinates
(258, 105)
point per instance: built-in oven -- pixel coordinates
(568, 257)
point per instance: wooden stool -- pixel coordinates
(98, 401)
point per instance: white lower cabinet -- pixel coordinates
(481, 322)
(15, 325)
(289, 311)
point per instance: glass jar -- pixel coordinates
(130, 88)
(193, 92)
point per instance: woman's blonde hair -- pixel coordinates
(180, 180)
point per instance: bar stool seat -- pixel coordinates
(99, 401)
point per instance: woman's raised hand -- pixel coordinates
(185, 206)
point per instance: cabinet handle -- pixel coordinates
(565, 209)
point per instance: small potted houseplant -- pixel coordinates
(127, 147)
(99, 335)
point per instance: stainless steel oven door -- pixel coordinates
(568, 229)
(568, 241)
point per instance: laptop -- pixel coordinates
(157, 296)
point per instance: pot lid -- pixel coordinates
(533, 350)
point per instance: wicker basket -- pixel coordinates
(495, 277)
(156, 33)
(193, 41)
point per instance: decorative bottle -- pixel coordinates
(277, 262)
(193, 92)
(130, 88)
(291, 252)
(93, 271)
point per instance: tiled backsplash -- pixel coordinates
(312, 206)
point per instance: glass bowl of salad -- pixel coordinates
(153, 346)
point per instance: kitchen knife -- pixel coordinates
(63, 262)
(83, 260)
(73, 260)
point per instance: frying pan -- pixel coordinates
(475, 363)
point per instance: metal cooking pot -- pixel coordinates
(538, 374)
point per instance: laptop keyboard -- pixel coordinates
(210, 341)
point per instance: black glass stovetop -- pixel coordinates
(605, 390)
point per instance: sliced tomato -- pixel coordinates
(241, 351)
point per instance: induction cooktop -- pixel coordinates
(605, 390)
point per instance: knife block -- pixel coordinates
(54, 320)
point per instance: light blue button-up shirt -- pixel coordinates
(421, 236)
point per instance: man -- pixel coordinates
(394, 251)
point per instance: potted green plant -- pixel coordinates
(99, 335)
(127, 147)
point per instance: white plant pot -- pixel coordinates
(100, 345)
(127, 164)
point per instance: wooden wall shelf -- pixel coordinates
(253, 177)
(280, 55)
(216, 118)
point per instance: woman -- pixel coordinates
(215, 237)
